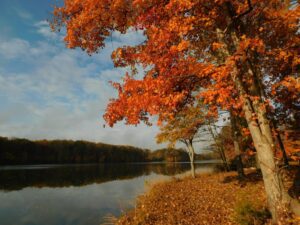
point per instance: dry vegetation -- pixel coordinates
(209, 199)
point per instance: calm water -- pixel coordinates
(69, 194)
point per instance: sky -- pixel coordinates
(50, 92)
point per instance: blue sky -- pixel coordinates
(48, 91)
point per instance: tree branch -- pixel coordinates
(250, 8)
(234, 16)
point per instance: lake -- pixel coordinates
(78, 194)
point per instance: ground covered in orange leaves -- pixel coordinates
(209, 199)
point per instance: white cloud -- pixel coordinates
(63, 93)
(43, 29)
(13, 48)
(23, 14)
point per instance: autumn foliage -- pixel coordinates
(183, 51)
(241, 56)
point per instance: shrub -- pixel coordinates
(246, 214)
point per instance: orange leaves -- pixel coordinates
(182, 46)
(178, 201)
(250, 152)
(288, 89)
(182, 125)
(138, 99)
(292, 84)
(284, 56)
(292, 144)
(179, 5)
(252, 44)
(89, 22)
(184, 54)
(216, 46)
(125, 56)
(245, 132)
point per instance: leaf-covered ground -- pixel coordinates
(208, 199)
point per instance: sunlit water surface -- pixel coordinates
(78, 194)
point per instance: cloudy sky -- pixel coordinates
(50, 92)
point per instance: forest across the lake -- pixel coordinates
(23, 151)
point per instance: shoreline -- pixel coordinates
(217, 198)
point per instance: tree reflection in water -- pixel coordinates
(77, 194)
(17, 178)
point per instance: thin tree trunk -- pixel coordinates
(193, 167)
(284, 155)
(220, 148)
(191, 155)
(235, 136)
(281, 145)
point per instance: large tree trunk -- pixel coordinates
(258, 90)
(259, 128)
(263, 142)
(257, 105)
(272, 180)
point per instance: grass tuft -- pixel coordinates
(247, 214)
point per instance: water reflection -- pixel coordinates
(59, 195)
(17, 178)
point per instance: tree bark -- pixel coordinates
(258, 90)
(263, 141)
(277, 198)
(258, 107)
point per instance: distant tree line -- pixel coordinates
(22, 151)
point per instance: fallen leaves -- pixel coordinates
(204, 200)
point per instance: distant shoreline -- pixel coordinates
(26, 152)
(25, 166)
